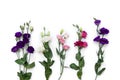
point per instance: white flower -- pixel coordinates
(46, 39)
(41, 49)
(66, 36)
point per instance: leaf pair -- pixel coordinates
(24, 76)
(80, 65)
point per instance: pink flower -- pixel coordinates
(66, 47)
(59, 37)
(62, 41)
(81, 44)
(85, 44)
(83, 34)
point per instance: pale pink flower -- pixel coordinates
(62, 41)
(66, 47)
(65, 35)
(59, 37)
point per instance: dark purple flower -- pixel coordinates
(104, 41)
(30, 49)
(26, 35)
(20, 44)
(15, 49)
(25, 40)
(18, 34)
(97, 22)
(97, 38)
(104, 31)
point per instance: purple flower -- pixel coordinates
(15, 49)
(97, 22)
(30, 49)
(18, 34)
(97, 38)
(20, 44)
(104, 31)
(26, 35)
(104, 41)
(25, 40)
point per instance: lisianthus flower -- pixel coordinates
(104, 31)
(85, 44)
(46, 39)
(20, 44)
(83, 34)
(62, 41)
(18, 34)
(97, 38)
(104, 41)
(25, 40)
(30, 49)
(65, 36)
(26, 35)
(15, 49)
(97, 22)
(66, 47)
(59, 37)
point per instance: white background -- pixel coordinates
(56, 15)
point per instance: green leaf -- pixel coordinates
(81, 62)
(63, 56)
(74, 66)
(57, 51)
(79, 74)
(30, 65)
(78, 56)
(27, 76)
(51, 63)
(47, 52)
(48, 72)
(101, 71)
(20, 61)
(44, 63)
(97, 66)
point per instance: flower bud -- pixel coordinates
(61, 31)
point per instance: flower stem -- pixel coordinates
(96, 77)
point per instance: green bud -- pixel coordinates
(62, 30)
(27, 23)
(80, 29)
(22, 27)
(48, 34)
(42, 34)
(31, 29)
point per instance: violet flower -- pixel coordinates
(101, 42)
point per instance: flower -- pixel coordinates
(81, 44)
(85, 44)
(46, 39)
(30, 49)
(83, 34)
(97, 38)
(18, 34)
(20, 44)
(104, 41)
(66, 47)
(65, 36)
(15, 49)
(42, 49)
(62, 41)
(104, 31)
(25, 40)
(26, 35)
(97, 22)
(59, 37)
